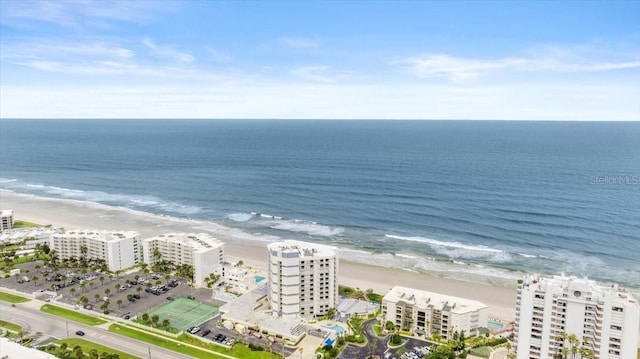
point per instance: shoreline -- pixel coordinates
(76, 214)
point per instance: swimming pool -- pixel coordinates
(336, 328)
(259, 278)
(495, 325)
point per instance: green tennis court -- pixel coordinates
(184, 313)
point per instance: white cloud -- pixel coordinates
(322, 73)
(77, 13)
(218, 56)
(547, 60)
(168, 51)
(298, 42)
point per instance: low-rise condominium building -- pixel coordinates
(427, 313)
(199, 250)
(119, 250)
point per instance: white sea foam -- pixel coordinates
(299, 226)
(150, 202)
(457, 250)
(528, 255)
(240, 217)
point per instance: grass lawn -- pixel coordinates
(12, 298)
(483, 352)
(239, 350)
(24, 224)
(159, 341)
(10, 326)
(87, 346)
(71, 314)
(378, 330)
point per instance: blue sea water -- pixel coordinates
(459, 198)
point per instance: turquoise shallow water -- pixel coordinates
(463, 199)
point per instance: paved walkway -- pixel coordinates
(500, 353)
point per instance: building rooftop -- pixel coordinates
(251, 310)
(304, 249)
(425, 299)
(107, 236)
(6, 212)
(588, 289)
(9, 349)
(201, 242)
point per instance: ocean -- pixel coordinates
(482, 201)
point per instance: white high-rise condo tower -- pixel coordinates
(604, 319)
(302, 278)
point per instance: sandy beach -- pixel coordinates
(72, 214)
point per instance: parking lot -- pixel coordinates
(72, 285)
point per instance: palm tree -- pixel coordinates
(119, 302)
(118, 286)
(101, 280)
(35, 280)
(37, 268)
(82, 285)
(154, 319)
(138, 289)
(96, 296)
(165, 323)
(73, 292)
(91, 284)
(145, 317)
(107, 291)
(129, 297)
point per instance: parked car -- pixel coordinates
(80, 333)
(191, 297)
(204, 333)
(171, 299)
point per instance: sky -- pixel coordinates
(496, 60)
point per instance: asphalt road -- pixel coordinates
(57, 328)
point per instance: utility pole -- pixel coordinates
(149, 352)
(67, 323)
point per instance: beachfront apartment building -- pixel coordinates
(302, 279)
(427, 313)
(604, 319)
(6, 220)
(199, 250)
(120, 250)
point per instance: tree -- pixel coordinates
(101, 280)
(166, 323)
(105, 307)
(64, 347)
(145, 317)
(138, 289)
(118, 286)
(129, 297)
(84, 300)
(37, 268)
(35, 280)
(119, 302)
(91, 284)
(82, 286)
(78, 351)
(154, 319)
(107, 291)
(73, 292)
(96, 297)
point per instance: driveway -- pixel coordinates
(375, 345)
